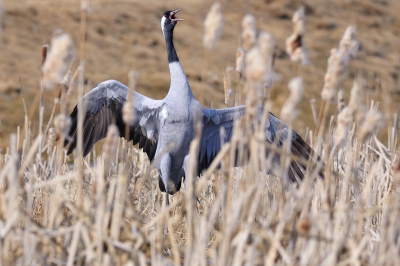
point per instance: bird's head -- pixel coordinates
(169, 20)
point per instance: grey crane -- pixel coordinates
(160, 123)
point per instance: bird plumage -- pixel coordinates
(165, 128)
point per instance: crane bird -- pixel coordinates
(160, 123)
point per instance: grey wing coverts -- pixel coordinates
(103, 107)
(214, 119)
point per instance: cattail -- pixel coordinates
(370, 124)
(212, 26)
(288, 112)
(228, 84)
(349, 44)
(45, 48)
(85, 6)
(356, 95)
(57, 60)
(240, 61)
(61, 124)
(110, 145)
(341, 104)
(336, 67)
(266, 42)
(51, 137)
(128, 111)
(256, 68)
(295, 46)
(344, 120)
(249, 33)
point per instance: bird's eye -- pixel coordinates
(165, 16)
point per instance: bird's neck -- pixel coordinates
(179, 83)
(172, 56)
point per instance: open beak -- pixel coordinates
(173, 18)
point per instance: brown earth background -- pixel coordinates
(126, 35)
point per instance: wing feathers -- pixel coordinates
(214, 119)
(104, 107)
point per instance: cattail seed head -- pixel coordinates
(249, 33)
(341, 103)
(57, 60)
(266, 42)
(61, 124)
(356, 95)
(213, 26)
(240, 61)
(288, 112)
(337, 63)
(343, 122)
(299, 21)
(85, 6)
(256, 68)
(110, 145)
(228, 84)
(349, 44)
(295, 45)
(371, 122)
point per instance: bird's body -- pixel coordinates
(165, 128)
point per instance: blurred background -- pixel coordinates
(126, 35)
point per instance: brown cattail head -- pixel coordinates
(349, 44)
(213, 26)
(289, 112)
(57, 60)
(337, 63)
(240, 61)
(110, 145)
(370, 125)
(228, 84)
(249, 33)
(343, 122)
(44, 53)
(295, 45)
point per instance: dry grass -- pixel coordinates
(108, 210)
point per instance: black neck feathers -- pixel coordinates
(172, 56)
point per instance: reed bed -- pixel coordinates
(107, 209)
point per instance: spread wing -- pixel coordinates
(214, 119)
(104, 106)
